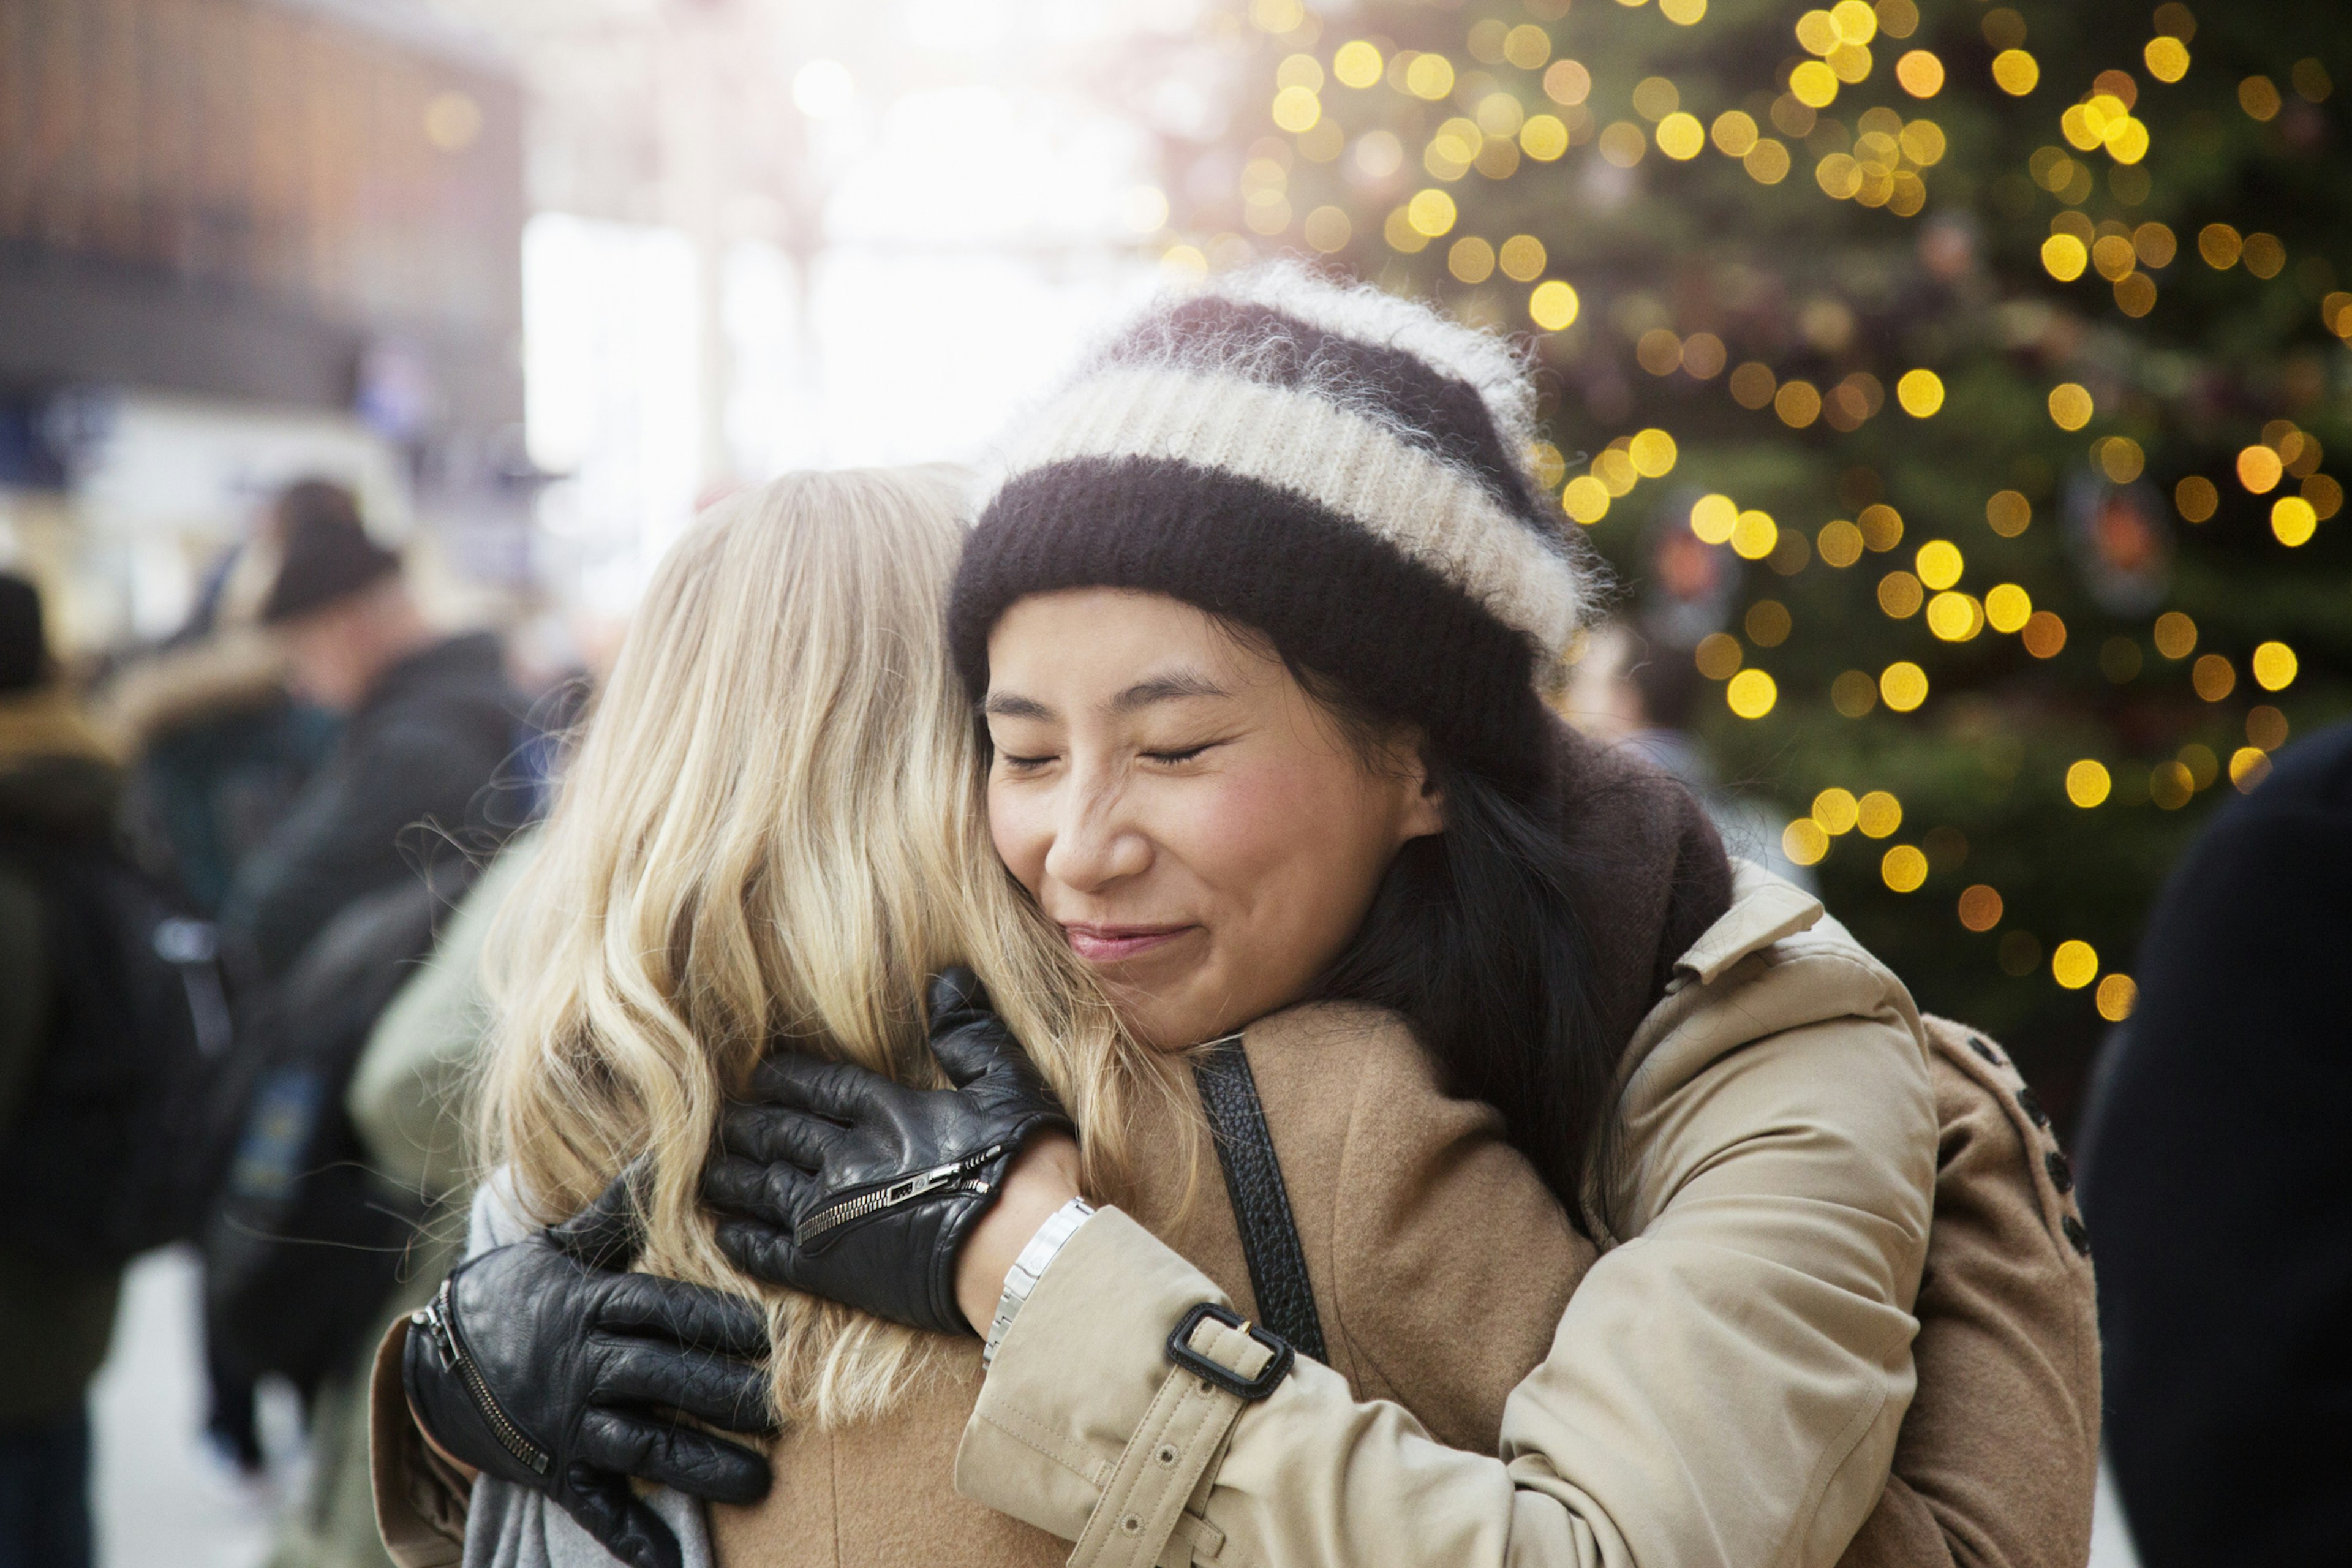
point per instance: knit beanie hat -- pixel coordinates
(1338, 468)
(327, 555)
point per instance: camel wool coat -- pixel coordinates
(1442, 1278)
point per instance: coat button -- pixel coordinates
(2061, 1175)
(2077, 1234)
(2032, 1108)
(1167, 1455)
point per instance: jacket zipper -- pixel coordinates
(903, 1191)
(436, 1320)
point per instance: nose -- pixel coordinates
(1094, 843)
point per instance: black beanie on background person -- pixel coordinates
(23, 643)
(1339, 468)
(327, 557)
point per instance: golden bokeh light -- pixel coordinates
(1719, 655)
(1836, 810)
(1904, 869)
(1471, 260)
(1327, 229)
(1981, 907)
(1768, 162)
(1297, 109)
(2075, 964)
(1358, 64)
(2169, 786)
(1682, 12)
(2259, 469)
(1768, 623)
(1920, 392)
(1522, 258)
(1585, 499)
(2063, 256)
(1543, 138)
(1622, 143)
(1803, 842)
(1840, 543)
(2168, 58)
(1680, 137)
(1939, 564)
(1878, 815)
(1813, 84)
(2008, 607)
(2293, 520)
(2116, 997)
(2015, 71)
(2008, 512)
(1754, 534)
(1429, 77)
(2249, 765)
(1920, 73)
(1955, 617)
(1553, 305)
(2175, 635)
(2088, 782)
(2044, 636)
(1432, 213)
(2274, 665)
(1853, 694)
(1751, 694)
(1713, 517)
(1734, 132)
(2196, 497)
(1797, 403)
(1527, 46)
(2258, 96)
(1752, 384)
(2213, 677)
(2219, 245)
(2070, 405)
(2266, 727)
(1881, 527)
(1903, 685)
(1900, 595)
(1653, 454)
(1567, 83)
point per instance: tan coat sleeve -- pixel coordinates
(1725, 1387)
(420, 1501)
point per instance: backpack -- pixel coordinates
(306, 1242)
(104, 1160)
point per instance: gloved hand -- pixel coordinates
(544, 1365)
(836, 1181)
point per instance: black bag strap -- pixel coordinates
(1277, 1262)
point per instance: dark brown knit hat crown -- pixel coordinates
(1338, 468)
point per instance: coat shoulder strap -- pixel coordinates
(1277, 1260)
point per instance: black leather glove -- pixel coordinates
(544, 1365)
(836, 1181)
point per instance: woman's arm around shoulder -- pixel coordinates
(1725, 1386)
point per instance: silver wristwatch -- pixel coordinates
(1030, 1267)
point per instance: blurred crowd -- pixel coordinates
(223, 867)
(246, 874)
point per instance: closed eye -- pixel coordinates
(1174, 759)
(1023, 764)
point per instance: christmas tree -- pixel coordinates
(1950, 385)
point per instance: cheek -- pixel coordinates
(1283, 840)
(1018, 827)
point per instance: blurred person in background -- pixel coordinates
(427, 722)
(410, 1099)
(217, 745)
(2218, 1175)
(58, 795)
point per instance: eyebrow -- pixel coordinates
(1172, 688)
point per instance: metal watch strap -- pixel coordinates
(1030, 1267)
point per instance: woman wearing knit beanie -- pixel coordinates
(1258, 617)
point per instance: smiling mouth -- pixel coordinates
(1116, 945)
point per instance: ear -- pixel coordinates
(1424, 812)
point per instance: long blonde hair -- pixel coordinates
(771, 832)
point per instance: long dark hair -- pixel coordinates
(1475, 938)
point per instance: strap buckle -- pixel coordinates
(1180, 1352)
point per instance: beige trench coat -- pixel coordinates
(1725, 1387)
